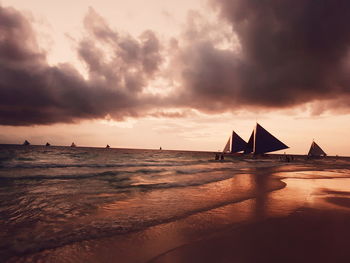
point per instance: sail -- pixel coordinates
(316, 150)
(261, 141)
(227, 146)
(250, 145)
(266, 142)
(237, 143)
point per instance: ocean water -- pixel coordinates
(53, 196)
(56, 196)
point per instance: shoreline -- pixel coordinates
(245, 200)
(316, 230)
(184, 237)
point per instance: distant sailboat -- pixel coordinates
(316, 151)
(235, 144)
(26, 143)
(73, 145)
(160, 148)
(261, 141)
(107, 146)
(47, 144)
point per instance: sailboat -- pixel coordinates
(47, 144)
(26, 143)
(234, 144)
(316, 151)
(107, 146)
(261, 141)
(73, 145)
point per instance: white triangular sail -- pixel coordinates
(261, 141)
(316, 150)
(227, 146)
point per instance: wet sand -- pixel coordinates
(307, 235)
(307, 221)
(298, 213)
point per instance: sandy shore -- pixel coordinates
(316, 228)
(307, 235)
(306, 218)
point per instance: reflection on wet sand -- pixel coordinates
(305, 222)
(261, 180)
(307, 235)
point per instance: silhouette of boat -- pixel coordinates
(316, 151)
(26, 143)
(107, 146)
(73, 145)
(261, 141)
(160, 148)
(47, 144)
(235, 144)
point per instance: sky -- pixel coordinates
(177, 74)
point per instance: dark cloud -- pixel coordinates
(291, 52)
(33, 92)
(276, 54)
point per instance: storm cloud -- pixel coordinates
(290, 53)
(272, 54)
(33, 92)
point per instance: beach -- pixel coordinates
(210, 131)
(97, 205)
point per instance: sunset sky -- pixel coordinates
(178, 74)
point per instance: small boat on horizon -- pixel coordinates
(26, 143)
(47, 144)
(73, 145)
(107, 146)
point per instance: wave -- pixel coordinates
(25, 159)
(206, 170)
(175, 184)
(80, 176)
(99, 165)
(82, 232)
(181, 176)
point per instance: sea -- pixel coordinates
(51, 197)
